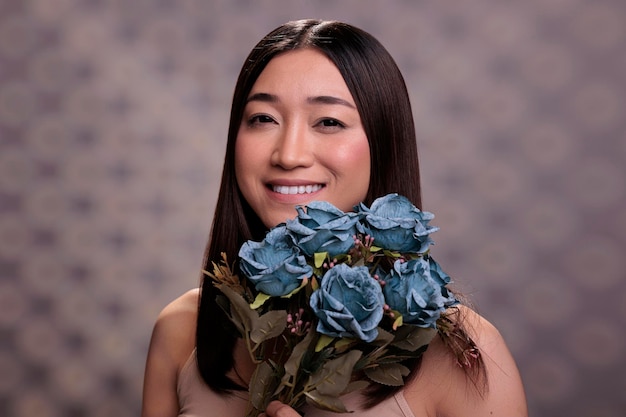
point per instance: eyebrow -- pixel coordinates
(271, 98)
(329, 100)
(263, 97)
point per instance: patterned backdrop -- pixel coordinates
(113, 118)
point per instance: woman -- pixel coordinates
(320, 112)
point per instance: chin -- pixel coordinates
(276, 220)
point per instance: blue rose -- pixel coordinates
(322, 227)
(275, 265)
(396, 224)
(416, 289)
(349, 303)
(442, 279)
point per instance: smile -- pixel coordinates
(297, 189)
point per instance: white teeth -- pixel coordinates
(302, 189)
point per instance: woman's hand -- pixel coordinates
(278, 409)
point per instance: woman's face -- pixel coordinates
(301, 139)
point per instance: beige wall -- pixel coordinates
(113, 117)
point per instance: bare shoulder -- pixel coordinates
(485, 334)
(173, 340)
(186, 304)
(442, 388)
(175, 328)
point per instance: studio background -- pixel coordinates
(113, 119)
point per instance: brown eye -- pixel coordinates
(260, 119)
(331, 123)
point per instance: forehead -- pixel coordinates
(303, 71)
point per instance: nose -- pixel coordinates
(293, 148)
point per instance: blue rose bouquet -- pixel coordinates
(336, 301)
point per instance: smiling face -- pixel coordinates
(300, 139)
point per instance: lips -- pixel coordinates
(296, 189)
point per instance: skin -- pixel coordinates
(300, 128)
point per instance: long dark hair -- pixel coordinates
(380, 94)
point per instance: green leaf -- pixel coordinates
(269, 325)
(239, 308)
(391, 358)
(344, 342)
(260, 299)
(293, 362)
(388, 374)
(261, 385)
(343, 258)
(383, 338)
(357, 385)
(325, 402)
(398, 321)
(323, 341)
(334, 375)
(374, 248)
(314, 283)
(319, 258)
(412, 338)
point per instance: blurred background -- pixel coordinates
(113, 119)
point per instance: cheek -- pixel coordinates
(354, 161)
(352, 153)
(244, 172)
(245, 161)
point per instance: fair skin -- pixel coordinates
(301, 139)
